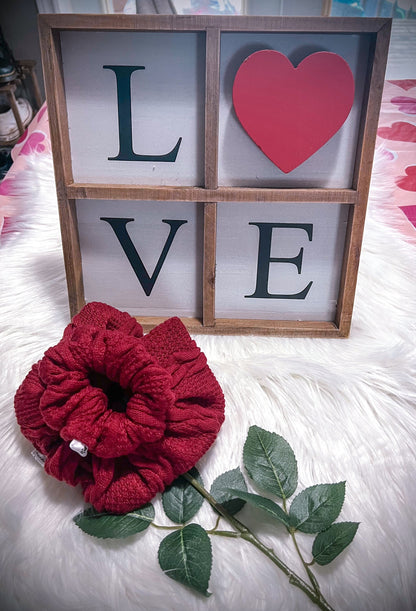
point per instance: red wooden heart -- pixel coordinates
(289, 112)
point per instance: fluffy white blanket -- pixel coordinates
(347, 407)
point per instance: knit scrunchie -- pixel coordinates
(144, 409)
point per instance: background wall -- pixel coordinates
(18, 19)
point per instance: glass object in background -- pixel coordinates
(399, 9)
(208, 7)
(128, 7)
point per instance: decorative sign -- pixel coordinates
(214, 168)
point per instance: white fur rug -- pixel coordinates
(347, 407)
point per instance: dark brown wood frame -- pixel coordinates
(356, 197)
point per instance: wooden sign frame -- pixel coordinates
(210, 193)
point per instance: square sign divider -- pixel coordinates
(216, 168)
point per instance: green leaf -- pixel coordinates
(315, 508)
(221, 490)
(180, 500)
(263, 503)
(330, 543)
(114, 526)
(270, 462)
(186, 556)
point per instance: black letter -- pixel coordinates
(264, 260)
(126, 153)
(120, 229)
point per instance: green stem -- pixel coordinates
(247, 535)
(213, 530)
(224, 533)
(311, 576)
(160, 527)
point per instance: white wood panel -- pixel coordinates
(237, 260)
(241, 162)
(107, 273)
(167, 103)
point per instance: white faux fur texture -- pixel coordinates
(347, 407)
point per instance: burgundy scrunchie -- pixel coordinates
(146, 407)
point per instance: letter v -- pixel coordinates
(119, 226)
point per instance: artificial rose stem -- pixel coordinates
(247, 535)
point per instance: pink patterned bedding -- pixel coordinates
(396, 141)
(36, 139)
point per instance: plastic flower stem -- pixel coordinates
(311, 576)
(160, 527)
(244, 533)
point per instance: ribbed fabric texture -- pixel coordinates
(147, 407)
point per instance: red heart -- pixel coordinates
(408, 183)
(410, 212)
(405, 84)
(405, 105)
(399, 131)
(289, 112)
